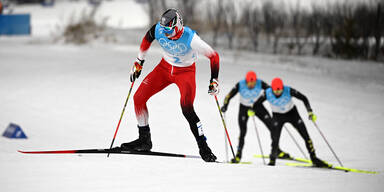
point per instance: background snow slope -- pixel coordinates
(68, 97)
(47, 21)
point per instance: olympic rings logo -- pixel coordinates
(173, 47)
(281, 102)
(249, 94)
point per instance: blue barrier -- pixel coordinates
(48, 3)
(15, 24)
(14, 131)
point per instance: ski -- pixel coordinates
(290, 158)
(228, 162)
(241, 162)
(113, 150)
(309, 165)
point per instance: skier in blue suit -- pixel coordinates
(250, 89)
(285, 111)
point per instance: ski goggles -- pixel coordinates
(168, 28)
(277, 92)
(251, 83)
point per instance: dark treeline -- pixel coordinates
(343, 30)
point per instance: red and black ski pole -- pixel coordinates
(121, 116)
(225, 127)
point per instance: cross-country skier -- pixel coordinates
(285, 111)
(181, 46)
(250, 89)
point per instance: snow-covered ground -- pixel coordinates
(69, 97)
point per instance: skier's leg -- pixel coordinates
(278, 121)
(262, 113)
(187, 88)
(298, 123)
(152, 83)
(186, 83)
(242, 120)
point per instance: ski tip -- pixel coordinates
(225, 162)
(25, 152)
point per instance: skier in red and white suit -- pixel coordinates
(181, 46)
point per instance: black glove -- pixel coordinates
(224, 108)
(136, 69)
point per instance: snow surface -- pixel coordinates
(71, 97)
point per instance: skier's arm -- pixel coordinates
(260, 100)
(229, 96)
(203, 48)
(146, 42)
(303, 98)
(264, 85)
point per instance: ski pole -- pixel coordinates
(226, 143)
(225, 127)
(258, 139)
(321, 133)
(121, 116)
(294, 140)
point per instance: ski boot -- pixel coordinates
(272, 162)
(272, 158)
(143, 143)
(205, 152)
(237, 158)
(316, 162)
(284, 155)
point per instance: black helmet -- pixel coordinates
(170, 20)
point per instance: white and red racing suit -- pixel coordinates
(177, 66)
